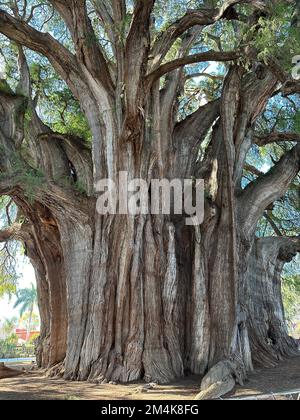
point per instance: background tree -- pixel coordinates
(8, 339)
(26, 301)
(9, 326)
(116, 293)
(8, 251)
(291, 296)
(34, 321)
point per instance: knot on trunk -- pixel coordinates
(288, 252)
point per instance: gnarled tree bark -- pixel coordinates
(128, 297)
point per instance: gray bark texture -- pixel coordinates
(124, 298)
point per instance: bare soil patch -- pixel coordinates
(36, 386)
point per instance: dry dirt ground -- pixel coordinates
(34, 386)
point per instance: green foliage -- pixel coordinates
(59, 109)
(9, 349)
(297, 330)
(5, 88)
(297, 122)
(281, 115)
(12, 340)
(8, 251)
(8, 346)
(274, 36)
(80, 188)
(33, 339)
(30, 320)
(7, 284)
(291, 296)
(68, 182)
(9, 325)
(30, 178)
(64, 115)
(26, 299)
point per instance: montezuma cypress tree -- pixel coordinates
(129, 297)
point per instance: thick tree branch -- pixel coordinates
(209, 76)
(168, 96)
(119, 20)
(88, 50)
(289, 85)
(284, 248)
(140, 24)
(190, 133)
(272, 224)
(7, 184)
(61, 157)
(193, 127)
(254, 95)
(62, 60)
(192, 59)
(253, 170)
(13, 232)
(112, 17)
(119, 10)
(105, 15)
(268, 188)
(136, 53)
(11, 125)
(87, 89)
(262, 140)
(202, 17)
(296, 18)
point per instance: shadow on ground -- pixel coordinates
(34, 386)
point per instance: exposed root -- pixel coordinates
(56, 371)
(6, 372)
(154, 366)
(219, 381)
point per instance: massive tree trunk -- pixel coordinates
(127, 286)
(128, 297)
(41, 240)
(266, 322)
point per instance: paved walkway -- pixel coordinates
(21, 360)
